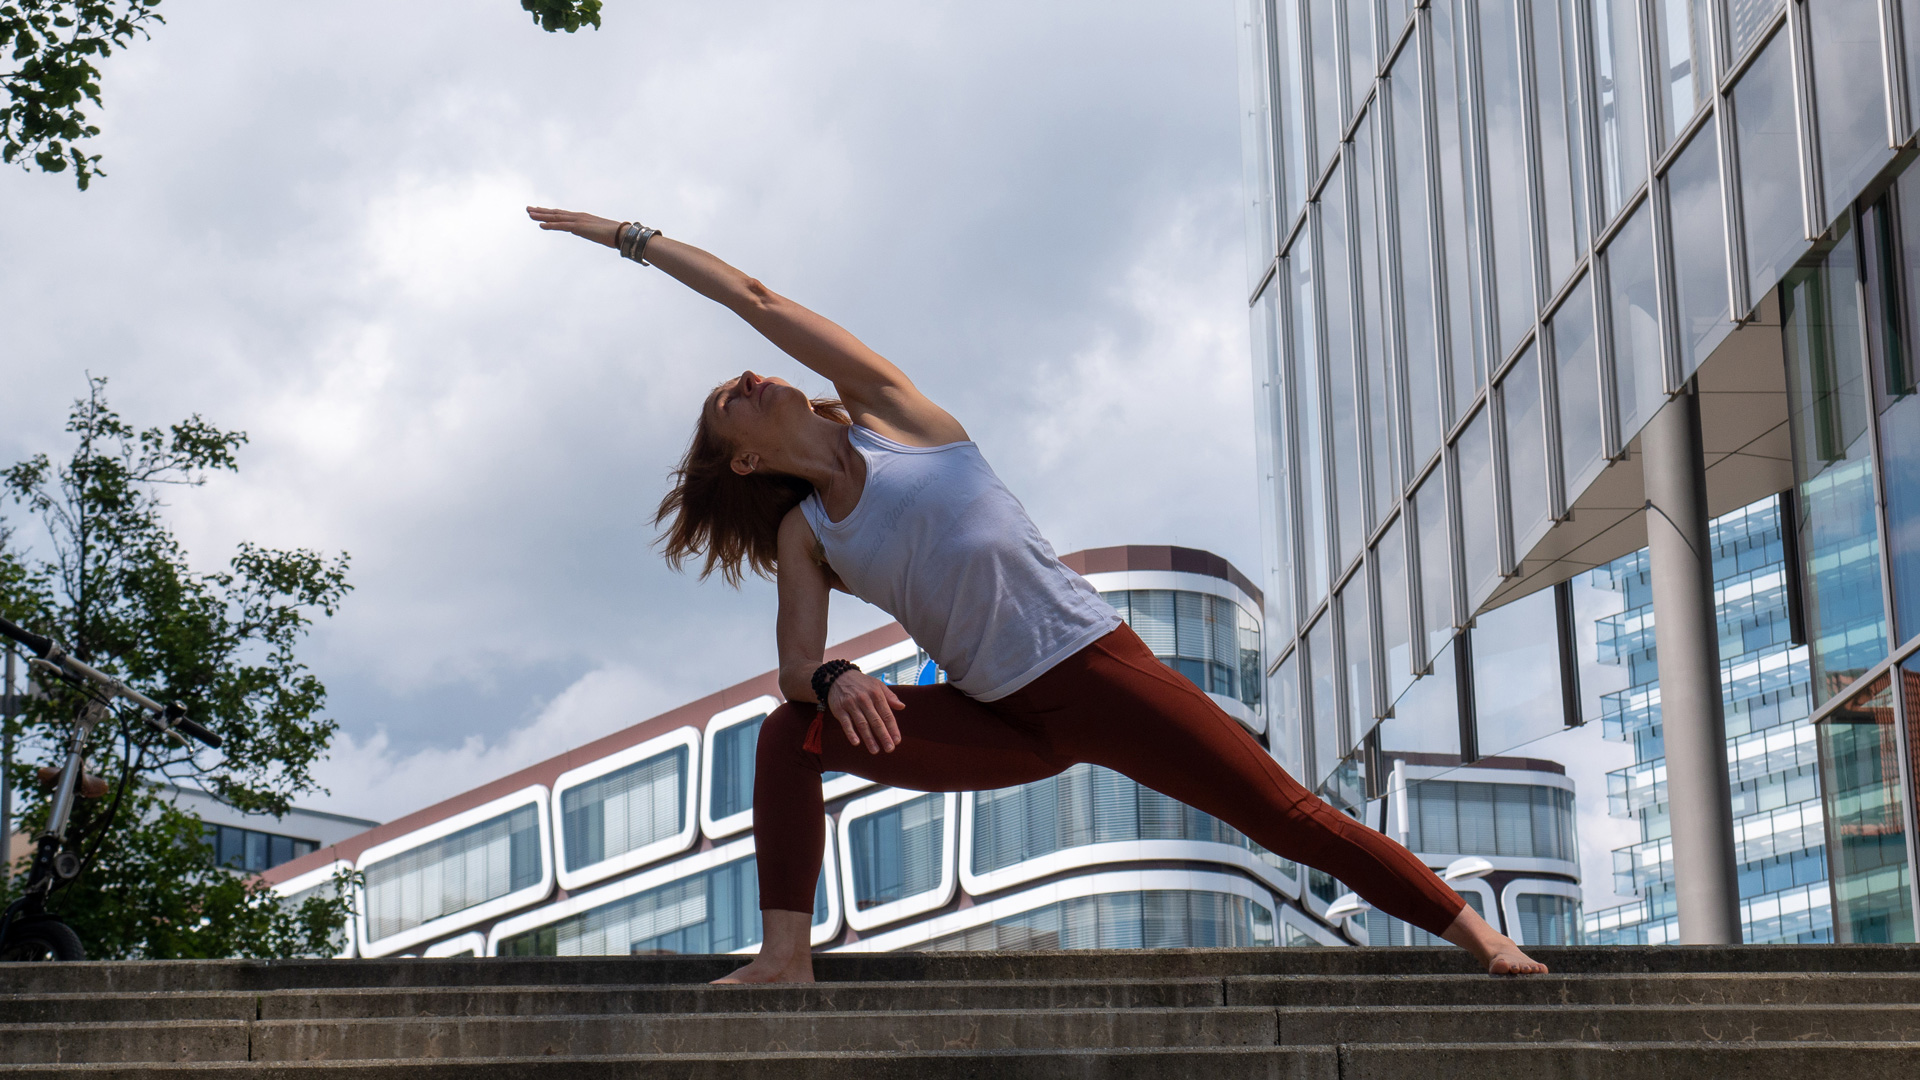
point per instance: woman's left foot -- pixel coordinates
(1509, 960)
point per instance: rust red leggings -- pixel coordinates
(1111, 704)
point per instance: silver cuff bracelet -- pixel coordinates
(633, 241)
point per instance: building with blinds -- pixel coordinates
(1537, 286)
(643, 841)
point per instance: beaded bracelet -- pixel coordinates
(824, 676)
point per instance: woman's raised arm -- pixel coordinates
(857, 372)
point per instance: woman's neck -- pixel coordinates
(822, 454)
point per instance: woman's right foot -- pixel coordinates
(765, 969)
(1509, 960)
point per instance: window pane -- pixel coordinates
(1426, 719)
(1622, 115)
(1360, 62)
(1358, 628)
(1849, 96)
(1769, 166)
(1368, 241)
(1833, 464)
(1900, 412)
(1911, 27)
(1390, 557)
(1284, 21)
(898, 852)
(1284, 721)
(1323, 699)
(1859, 767)
(1323, 31)
(1526, 452)
(1699, 250)
(624, 810)
(1152, 919)
(1419, 350)
(1461, 284)
(1336, 289)
(1516, 674)
(1747, 19)
(1685, 82)
(1577, 366)
(1639, 384)
(456, 872)
(733, 754)
(1562, 160)
(1477, 510)
(1436, 564)
(1270, 435)
(1506, 178)
(1256, 132)
(1310, 460)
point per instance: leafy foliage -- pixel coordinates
(110, 581)
(54, 45)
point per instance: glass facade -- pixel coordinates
(1210, 639)
(1466, 818)
(1772, 762)
(252, 850)
(1561, 214)
(712, 911)
(481, 862)
(1149, 919)
(1085, 805)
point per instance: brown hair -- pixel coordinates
(731, 519)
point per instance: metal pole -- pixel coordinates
(1686, 627)
(6, 773)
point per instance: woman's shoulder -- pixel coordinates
(907, 417)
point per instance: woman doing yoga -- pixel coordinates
(881, 494)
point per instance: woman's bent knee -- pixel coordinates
(783, 732)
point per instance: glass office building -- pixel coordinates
(1491, 243)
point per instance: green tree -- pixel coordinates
(107, 577)
(54, 45)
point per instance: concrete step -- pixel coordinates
(1599, 1024)
(1717, 988)
(1363, 1061)
(599, 1035)
(259, 975)
(582, 1000)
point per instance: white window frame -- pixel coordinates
(1510, 901)
(1308, 925)
(698, 862)
(717, 723)
(919, 903)
(1183, 581)
(535, 795)
(1074, 888)
(688, 737)
(472, 941)
(1405, 776)
(1111, 851)
(295, 885)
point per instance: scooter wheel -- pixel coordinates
(41, 939)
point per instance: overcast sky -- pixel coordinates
(311, 230)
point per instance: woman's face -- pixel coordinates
(752, 413)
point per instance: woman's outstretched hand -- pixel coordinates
(864, 706)
(597, 229)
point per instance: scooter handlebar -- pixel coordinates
(40, 646)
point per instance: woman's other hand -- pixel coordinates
(597, 229)
(864, 706)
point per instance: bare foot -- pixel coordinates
(765, 969)
(785, 954)
(1509, 960)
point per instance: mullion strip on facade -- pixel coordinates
(1806, 122)
(1357, 338)
(1289, 400)
(1474, 150)
(1733, 216)
(1330, 511)
(1894, 73)
(1393, 315)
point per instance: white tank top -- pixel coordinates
(939, 543)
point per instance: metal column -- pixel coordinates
(1687, 635)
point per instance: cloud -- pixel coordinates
(366, 775)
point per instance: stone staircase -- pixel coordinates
(1805, 1012)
